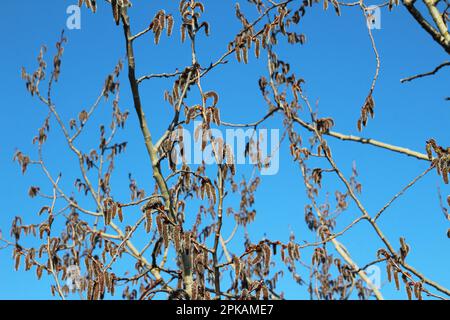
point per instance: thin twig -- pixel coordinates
(426, 74)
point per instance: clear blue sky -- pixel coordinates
(338, 64)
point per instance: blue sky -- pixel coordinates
(337, 63)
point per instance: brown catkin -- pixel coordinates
(397, 282)
(237, 267)
(194, 290)
(245, 54)
(257, 48)
(177, 238)
(158, 35)
(267, 255)
(17, 261)
(183, 33)
(159, 224)
(265, 293)
(258, 257)
(165, 235)
(297, 252)
(238, 53)
(120, 213)
(291, 250)
(115, 8)
(148, 222)
(388, 271)
(162, 18)
(216, 116)
(187, 241)
(258, 293)
(418, 290)
(96, 292)
(408, 292)
(170, 23)
(39, 272)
